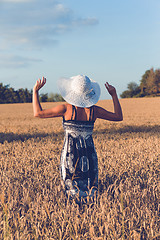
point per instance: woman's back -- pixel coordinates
(79, 114)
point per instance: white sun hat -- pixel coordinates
(80, 90)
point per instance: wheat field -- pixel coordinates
(32, 203)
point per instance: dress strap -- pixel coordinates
(91, 116)
(74, 110)
(74, 113)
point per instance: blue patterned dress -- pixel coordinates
(79, 163)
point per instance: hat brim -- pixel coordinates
(79, 100)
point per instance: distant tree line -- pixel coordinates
(9, 95)
(149, 85)
(51, 97)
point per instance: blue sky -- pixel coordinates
(114, 41)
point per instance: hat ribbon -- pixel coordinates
(89, 94)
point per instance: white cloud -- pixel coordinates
(36, 24)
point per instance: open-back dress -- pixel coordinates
(79, 163)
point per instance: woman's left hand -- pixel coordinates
(110, 88)
(39, 84)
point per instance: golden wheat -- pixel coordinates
(33, 205)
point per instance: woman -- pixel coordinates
(79, 163)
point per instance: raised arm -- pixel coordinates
(57, 111)
(111, 116)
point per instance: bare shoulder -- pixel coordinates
(68, 111)
(68, 106)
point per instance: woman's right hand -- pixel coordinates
(39, 84)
